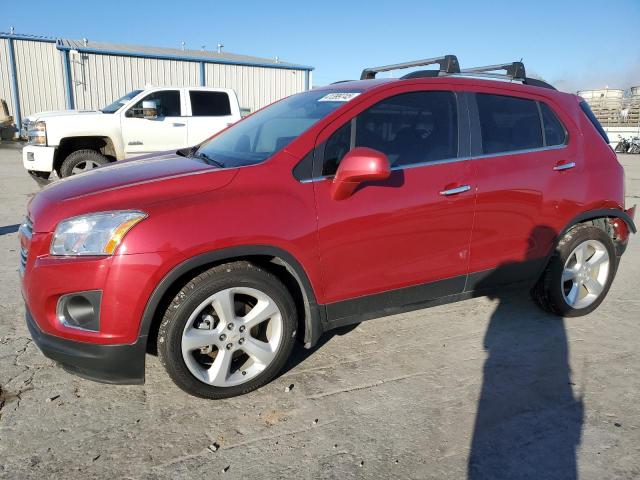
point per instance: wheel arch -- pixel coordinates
(100, 143)
(274, 259)
(589, 215)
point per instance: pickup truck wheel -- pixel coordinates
(579, 274)
(229, 331)
(81, 161)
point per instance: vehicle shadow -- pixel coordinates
(300, 354)
(528, 423)
(6, 229)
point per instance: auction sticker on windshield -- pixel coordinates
(339, 97)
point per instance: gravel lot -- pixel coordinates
(487, 388)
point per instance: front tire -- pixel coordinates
(227, 332)
(82, 161)
(579, 274)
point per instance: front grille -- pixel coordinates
(25, 230)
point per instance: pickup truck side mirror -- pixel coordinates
(149, 109)
(359, 165)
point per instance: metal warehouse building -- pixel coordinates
(40, 73)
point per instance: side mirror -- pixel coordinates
(149, 109)
(359, 165)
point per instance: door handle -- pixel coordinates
(456, 190)
(564, 166)
(178, 124)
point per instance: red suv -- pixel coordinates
(356, 200)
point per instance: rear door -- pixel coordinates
(525, 167)
(209, 112)
(403, 240)
(168, 131)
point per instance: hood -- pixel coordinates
(60, 113)
(129, 184)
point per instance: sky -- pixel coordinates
(572, 44)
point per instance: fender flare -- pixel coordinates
(600, 213)
(314, 318)
(583, 217)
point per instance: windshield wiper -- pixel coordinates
(206, 158)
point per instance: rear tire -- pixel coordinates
(212, 350)
(579, 273)
(81, 161)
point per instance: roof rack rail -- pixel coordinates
(448, 64)
(514, 70)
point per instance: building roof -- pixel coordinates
(143, 51)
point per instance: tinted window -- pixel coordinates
(209, 104)
(409, 128)
(167, 103)
(554, 132)
(508, 123)
(592, 118)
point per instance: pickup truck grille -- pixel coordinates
(26, 231)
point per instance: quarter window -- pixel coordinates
(508, 123)
(410, 128)
(554, 132)
(167, 103)
(209, 104)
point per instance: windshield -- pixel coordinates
(268, 131)
(115, 106)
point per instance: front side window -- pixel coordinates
(167, 103)
(410, 128)
(508, 124)
(554, 131)
(209, 104)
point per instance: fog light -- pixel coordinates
(80, 310)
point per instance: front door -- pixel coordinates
(406, 239)
(168, 131)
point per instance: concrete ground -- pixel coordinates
(486, 388)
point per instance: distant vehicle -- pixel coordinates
(634, 146)
(142, 121)
(330, 207)
(623, 145)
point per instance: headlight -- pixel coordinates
(37, 133)
(93, 234)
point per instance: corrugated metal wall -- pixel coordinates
(100, 79)
(255, 86)
(40, 80)
(5, 75)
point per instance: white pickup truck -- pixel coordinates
(143, 121)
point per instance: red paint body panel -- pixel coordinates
(389, 234)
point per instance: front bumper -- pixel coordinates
(38, 158)
(120, 364)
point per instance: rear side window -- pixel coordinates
(410, 128)
(209, 104)
(508, 123)
(554, 131)
(592, 118)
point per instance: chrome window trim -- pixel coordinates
(454, 160)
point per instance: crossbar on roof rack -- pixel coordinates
(448, 64)
(514, 70)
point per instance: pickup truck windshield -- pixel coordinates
(268, 131)
(115, 106)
